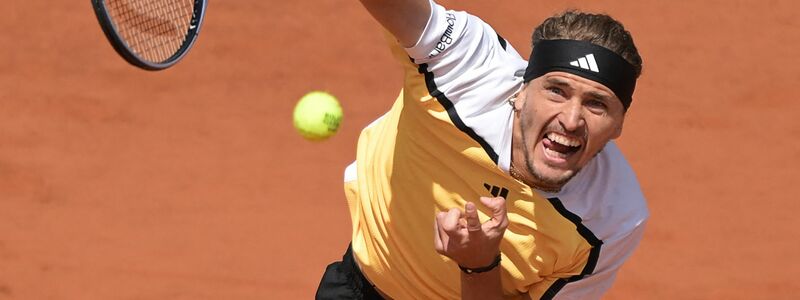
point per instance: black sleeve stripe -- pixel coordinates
(553, 290)
(594, 254)
(451, 111)
(575, 219)
(502, 41)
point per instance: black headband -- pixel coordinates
(586, 60)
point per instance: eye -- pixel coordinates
(556, 90)
(555, 93)
(596, 105)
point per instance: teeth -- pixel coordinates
(566, 141)
(556, 154)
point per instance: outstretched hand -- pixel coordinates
(460, 235)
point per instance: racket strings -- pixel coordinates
(153, 29)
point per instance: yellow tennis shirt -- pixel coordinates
(445, 141)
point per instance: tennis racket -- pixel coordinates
(151, 34)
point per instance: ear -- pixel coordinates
(618, 130)
(521, 97)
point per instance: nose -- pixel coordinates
(571, 118)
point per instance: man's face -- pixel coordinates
(565, 120)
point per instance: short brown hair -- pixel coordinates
(598, 29)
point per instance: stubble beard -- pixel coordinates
(545, 183)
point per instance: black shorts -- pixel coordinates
(343, 280)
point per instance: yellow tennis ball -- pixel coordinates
(317, 115)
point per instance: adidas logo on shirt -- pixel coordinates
(587, 62)
(496, 190)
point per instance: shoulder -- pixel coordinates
(607, 195)
(616, 178)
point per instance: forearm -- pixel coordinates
(482, 286)
(405, 19)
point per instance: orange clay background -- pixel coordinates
(117, 183)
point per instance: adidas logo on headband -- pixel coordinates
(587, 62)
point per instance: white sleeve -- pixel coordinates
(444, 29)
(615, 252)
(466, 58)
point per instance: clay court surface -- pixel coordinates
(117, 183)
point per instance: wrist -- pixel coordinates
(482, 269)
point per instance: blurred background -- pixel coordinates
(191, 183)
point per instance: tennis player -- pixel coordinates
(493, 177)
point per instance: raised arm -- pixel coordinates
(405, 19)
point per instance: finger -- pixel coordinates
(440, 221)
(437, 237)
(498, 207)
(471, 214)
(450, 221)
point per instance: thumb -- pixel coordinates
(471, 214)
(498, 207)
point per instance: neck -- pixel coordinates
(531, 181)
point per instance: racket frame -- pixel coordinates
(110, 31)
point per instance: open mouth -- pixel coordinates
(560, 146)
